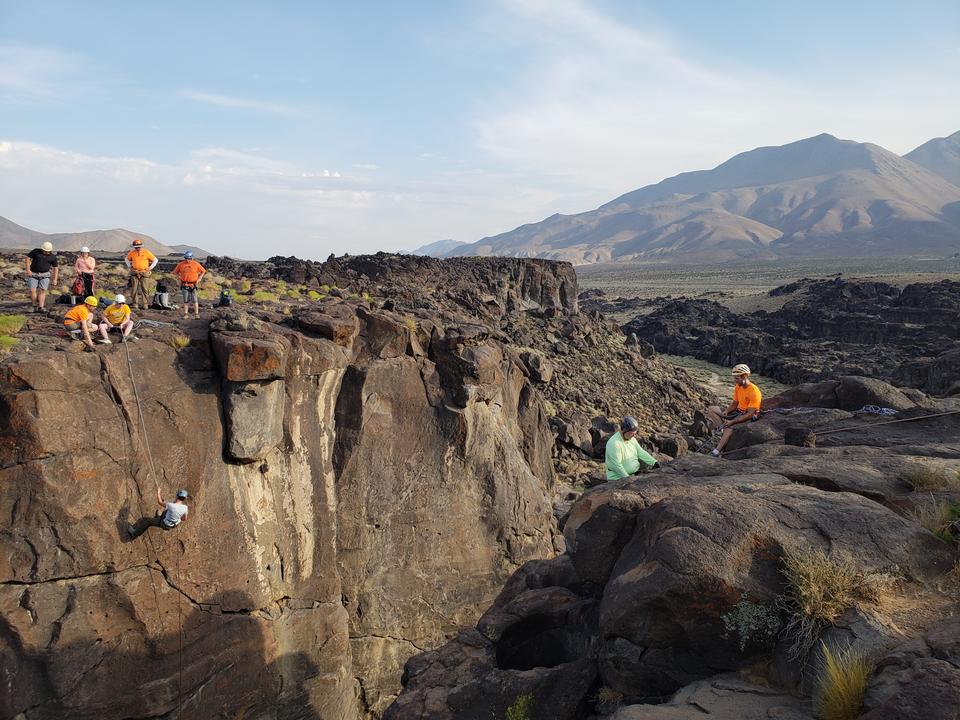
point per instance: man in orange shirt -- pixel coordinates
(190, 273)
(79, 320)
(141, 263)
(745, 407)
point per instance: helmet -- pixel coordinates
(91, 301)
(182, 494)
(629, 424)
(85, 249)
(188, 255)
(47, 246)
(740, 369)
(137, 243)
(119, 299)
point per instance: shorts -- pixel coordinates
(189, 293)
(39, 281)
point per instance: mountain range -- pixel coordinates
(16, 236)
(818, 197)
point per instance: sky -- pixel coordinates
(307, 128)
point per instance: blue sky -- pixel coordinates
(308, 128)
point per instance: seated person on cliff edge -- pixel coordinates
(744, 408)
(172, 514)
(624, 455)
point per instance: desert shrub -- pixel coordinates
(264, 296)
(293, 293)
(280, 287)
(208, 293)
(11, 324)
(324, 289)
(520, 709)
(314, 295)
(411, 324)
(242, 285)
(178, 342)
(819, 590)
(941, 519)
(753, 624)
(608, 699)
(931, 477)
(7, 343)
(842, 684)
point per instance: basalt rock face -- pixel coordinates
(361, 485)
(827, 328)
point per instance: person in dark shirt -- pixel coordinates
(42, 266)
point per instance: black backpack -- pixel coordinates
(226, 299)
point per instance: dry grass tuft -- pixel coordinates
(842, 684)
(178, 342)
(929, 477)
(940, 518)
(820, 589)
(7, 343)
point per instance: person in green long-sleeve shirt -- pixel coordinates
(624, 454)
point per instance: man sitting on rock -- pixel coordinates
(624, 455)
(744, 408)
(172, 514)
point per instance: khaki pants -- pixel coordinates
(139, 289)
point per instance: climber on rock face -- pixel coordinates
(172, 514)
(745, 407)
(624, 456)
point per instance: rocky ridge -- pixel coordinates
(825, 329)
(367, 466)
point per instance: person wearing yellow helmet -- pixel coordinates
(78, 321)
(745, 407)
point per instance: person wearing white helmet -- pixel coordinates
(190, 273)
(116, 316)
(42, 265)
(745, 407)
(85, 264)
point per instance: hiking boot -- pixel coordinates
(104, 341)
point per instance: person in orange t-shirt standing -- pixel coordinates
(745, 407)
(141, 263)
(190, 273)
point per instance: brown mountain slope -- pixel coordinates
(817, 197)
(17, 236)
(940, 155)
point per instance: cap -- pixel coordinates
(188, 255)
(85, 249)
(629, 423)
(740, 369)
(47, 246)
(119, 299)
(91, 300)
(182, 494)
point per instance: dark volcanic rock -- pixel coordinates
(827, 328)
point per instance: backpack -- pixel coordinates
(226, 299)
(77, 288)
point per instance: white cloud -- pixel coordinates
(611, 106)
(35, 73)
(228, 101)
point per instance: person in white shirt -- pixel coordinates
(172, 514)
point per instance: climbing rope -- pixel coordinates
(853, 427)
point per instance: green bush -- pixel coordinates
(264, 296)
(520, 710)
(11, 324)
(7, 343)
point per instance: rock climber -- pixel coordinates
(78, 321)
(85, 264)
(169, 517)
(42, 265)
(190, 273)
(745, 407)
(116, 316)
(141, 263)
(624, 455)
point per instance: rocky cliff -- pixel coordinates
(367, 466)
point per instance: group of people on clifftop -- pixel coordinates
(625, 457)
(93, 314)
